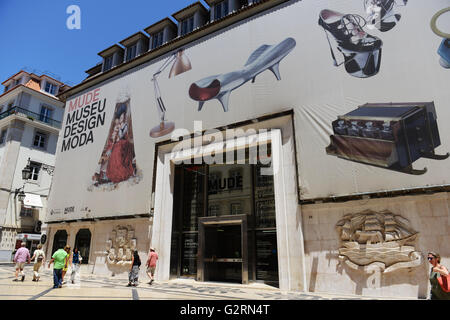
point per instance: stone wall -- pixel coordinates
(325, 272)
(101, 232)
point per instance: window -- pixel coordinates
(220, 10)
(50, 88)
(26, 212)
(40, 139)
(35, 169)
(157, 39)
(236, 208)
(6, 88)
(214, 210)
(108, 63)
(131, 51)
(187, 25)
(17, 81)
(3, 136)
(46, 114)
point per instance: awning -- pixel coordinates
(28, 236)
(32, 200)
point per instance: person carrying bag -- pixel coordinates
(439, 278)
(134, 271)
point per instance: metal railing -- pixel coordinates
(31, 115)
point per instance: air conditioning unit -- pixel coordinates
(37, 226)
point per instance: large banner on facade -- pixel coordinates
(369, 83)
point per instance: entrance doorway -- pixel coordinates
(223, 252)
(223, 225)
(83, 243)
(59, 240)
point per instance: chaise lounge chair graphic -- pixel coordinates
(220, 86)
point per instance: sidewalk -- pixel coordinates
(110, 288)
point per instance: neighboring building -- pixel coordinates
(345, 205)
(30, 120)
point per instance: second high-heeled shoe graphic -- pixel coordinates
(382, 14)
(361, 51)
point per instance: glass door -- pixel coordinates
(189, 199)
(223, 226)
(223, 254)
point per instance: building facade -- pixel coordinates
(30, 120)
(311, 156)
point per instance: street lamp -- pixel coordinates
(26, 175)
(19, 194)
(26, 172)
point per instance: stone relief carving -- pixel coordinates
(377, 242)
(121, 245)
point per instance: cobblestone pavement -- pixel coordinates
(90, 287)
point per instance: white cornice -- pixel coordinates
(47, 98)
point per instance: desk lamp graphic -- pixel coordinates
(180, 65)
(444, 48)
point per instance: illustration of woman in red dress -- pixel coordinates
(117, 161)
(120, 162)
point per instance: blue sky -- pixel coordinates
(34, 34)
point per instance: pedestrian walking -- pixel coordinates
(75, 265)
(67, 262)
(59, 257)
(134, 270)
(151, 264)
(38, 258)
(22, 255)
(439, 277)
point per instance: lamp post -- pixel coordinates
(26, 172)
(180, 65)
(19, 194)
(26, 175)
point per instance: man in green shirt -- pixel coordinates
(59, 257)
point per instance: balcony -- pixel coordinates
(31, 116)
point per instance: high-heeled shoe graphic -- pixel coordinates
(361, 51)
(444, 47)
(382, 14)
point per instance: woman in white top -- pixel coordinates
(39, 255)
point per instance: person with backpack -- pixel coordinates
(134, 270)
(39, 257)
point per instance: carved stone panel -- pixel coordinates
(380, 240)
(121, 245)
